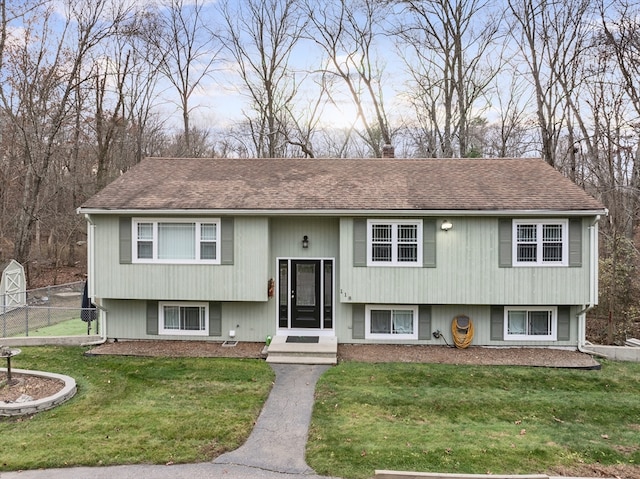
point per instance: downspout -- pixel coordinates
(593, 287)
(102, 313)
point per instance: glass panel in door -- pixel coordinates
(305, 294)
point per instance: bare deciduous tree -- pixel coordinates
(260, 37)
(186, 49)
(108, 124)
(551, 36)
(510, 136)
(449, 44)
(42, 66)
(144, 126)
(622, 34)
(347, 31)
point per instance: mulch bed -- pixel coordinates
(363, 352)
(27, 387)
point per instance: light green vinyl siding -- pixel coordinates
(244, 280)
(286, 242)
(251, 321)
(440, 317)
(287, 234)
(467, 279)
(468, 272)
(324, 243)
(481, 316)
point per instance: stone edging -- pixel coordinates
(38, 405)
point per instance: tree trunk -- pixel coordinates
(613, 291)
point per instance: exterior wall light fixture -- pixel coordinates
(446, 225)
(305, 241)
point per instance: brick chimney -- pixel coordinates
(388, 151)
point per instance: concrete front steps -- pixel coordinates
(325, 351)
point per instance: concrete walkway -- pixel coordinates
(275, 449)
(279, 437)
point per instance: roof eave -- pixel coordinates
(338, 212)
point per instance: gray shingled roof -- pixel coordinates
(343, 184)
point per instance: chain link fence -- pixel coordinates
(51, 311)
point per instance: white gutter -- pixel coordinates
(90, 256)
(102, 313)
(593, 287)
(339, 212)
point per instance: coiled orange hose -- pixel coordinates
(462, 335)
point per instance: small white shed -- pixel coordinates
(13, 286)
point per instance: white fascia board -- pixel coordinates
(333, 213)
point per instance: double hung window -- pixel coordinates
(532, 323)
(540, 243)
(176, 241)
(391, 322)
(394, 243)
(184, 318)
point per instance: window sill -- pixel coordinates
(540, 265)
(185, 262)
(529, 338)
(391, 337)
(171, 332)
(394, 265)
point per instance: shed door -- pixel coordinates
(14, 291)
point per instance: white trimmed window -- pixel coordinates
(176, 241)
(184, 318)
(394, 243)
(391, 322)
(530, 323)
(540, 243)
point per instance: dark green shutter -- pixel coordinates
(357, 321)
(429, 243)
(215, 319)
(424, 321)
(497, 323)
(152, 317)
(575, 242)
(124, 236)
(226, 241)
(505, 234)
(564, 323)
(359, 242)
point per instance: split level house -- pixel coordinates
(359, 250)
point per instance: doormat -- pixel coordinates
(302, 339)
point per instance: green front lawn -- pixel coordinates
(412, 417)
(136, 410)
(476, 420)
(71, 327)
